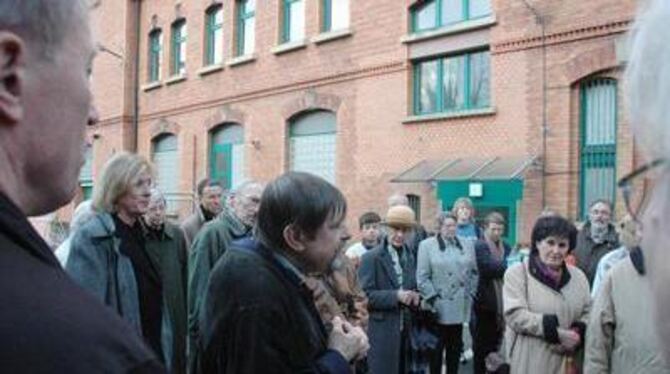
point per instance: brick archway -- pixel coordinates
(311, 100)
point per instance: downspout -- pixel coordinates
(136, 80)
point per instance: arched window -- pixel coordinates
(155, 55)
(312, 140)
(179, 34)
(214, 35)
(598, 141)
(165, 158)
(227, 155)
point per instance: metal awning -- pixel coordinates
(462, 169)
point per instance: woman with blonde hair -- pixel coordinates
(466, 228)
(108, 255)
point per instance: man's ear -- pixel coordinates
(12, 57)
(293, 238)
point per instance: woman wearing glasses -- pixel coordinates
(546, 302)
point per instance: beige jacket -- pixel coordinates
(621, 336)
(527, 305)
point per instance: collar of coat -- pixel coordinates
(535, 271)
(637, 258)
(236, 227)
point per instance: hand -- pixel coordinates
(409, 298)
(351, 342)
(569, 339)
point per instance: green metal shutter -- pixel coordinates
(227, 155)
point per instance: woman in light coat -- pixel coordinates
(546, 303)
(447, 278)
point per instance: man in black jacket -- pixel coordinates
(259, 315)
(47, 323)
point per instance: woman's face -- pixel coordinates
(553, 250)
(448, 228)
(463, 213)
(135, 201)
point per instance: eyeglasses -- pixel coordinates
(627, 187)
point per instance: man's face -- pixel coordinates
(245, 204)
(211, 199)
(135, 201)
(370, 232)
(155, 216)
(600, 214)
(448, 228)
(57, 107)
(328, 242)
(494, 231)
(397, 235)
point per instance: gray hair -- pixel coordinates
(648, 79)
(45, 22)
(157, 195)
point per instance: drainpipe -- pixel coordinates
(136, 78)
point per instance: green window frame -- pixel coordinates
(155, 54)
(456, 83)
(335, 15)
(214, 35)
(447, 12)
(178, 66)
(598, 144)
(86, 174)
(246, 25)
(293, 12)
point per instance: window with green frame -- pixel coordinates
(312, 144)
(214, 35)
(452, 84)
(432, 14)
(86, 174)
(598, 141)
(246, 27)
(335, 15)
(293, 25)
(155, 54)
(178, 66)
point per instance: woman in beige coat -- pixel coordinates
(546, 303)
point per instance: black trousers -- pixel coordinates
(450, 345)
(486, 338)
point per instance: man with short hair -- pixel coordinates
(491, 252)
(48, 323)
(596, 238)
(209, 245)
(368, 223)
(259, 315)
(209, 206)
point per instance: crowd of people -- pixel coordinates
(259, 280)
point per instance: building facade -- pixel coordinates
(515, 103)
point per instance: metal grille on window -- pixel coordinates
(166, 161)
(312, 144)
(415, 203)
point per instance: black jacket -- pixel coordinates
(259, 318)
(47, 323)
(490, 269)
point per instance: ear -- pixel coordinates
(12, 55)
(293, 238)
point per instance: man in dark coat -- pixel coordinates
(491, 252)
(388, 277)
(209, 206)
(259, 315)
(48, 324)
(596, 238)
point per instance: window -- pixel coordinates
(414, 202)
(227, 155)
(86, 174)
(294, 21)
(179, 47)
(453, 83)
(436, 13)
(246, 25)
(598, 141)
(155, 55)
(214, 35)
(312, 144)
(335, 15)
(166, 161)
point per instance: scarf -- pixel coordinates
(549, 274)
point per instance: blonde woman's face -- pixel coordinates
(135, 202)
(463, 213)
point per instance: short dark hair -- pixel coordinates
(300, 199)
(443, 216)
(494, 217)
(553, 226)
(206, 182)
(368, 218)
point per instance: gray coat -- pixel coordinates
(448, 278)
(380, 283)
(588, 253)
(97, 264)
(192, 225)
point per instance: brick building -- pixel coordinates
(516, 103)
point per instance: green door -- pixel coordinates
(221, 167)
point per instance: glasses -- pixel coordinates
(627, 186)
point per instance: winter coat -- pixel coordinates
(258, 317)
(490, 270)
(209, 245)
(48, 323)
(380, 283)
(588, 253)
(533, 311)
(621, 336)
(448, 278)
(97, 264)
(192, 225)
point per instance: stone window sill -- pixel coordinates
(332, 35)
(289, 47)
(241, 60)
(210, 69)
(175, 79)
(458, 28)
(152, 86)
(451, 115)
